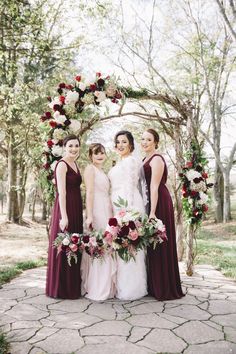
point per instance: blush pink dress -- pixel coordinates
(99, 275)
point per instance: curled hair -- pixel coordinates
(70, 137)
(128, 135)
(95, 148)
(155, 136)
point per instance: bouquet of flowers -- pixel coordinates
(128, 231)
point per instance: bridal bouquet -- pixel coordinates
(128, 231)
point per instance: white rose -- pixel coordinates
(71, 97)
(55, 100)
(66, 241)
(82, 86)
(53, 165)
(101, 96)
(191, 174)
(60, 119)
(57, 150)
(203, 198)
(59, 134)
(75, 126)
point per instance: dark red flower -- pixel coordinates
(124, 231)
(62, 99)
(189, 164)
(43, 118)
(46, 166)
(112, 222)
(185, 194)
(197, 180)
(92, 87)
(199, 168)
(193, 194)
(132, 225)
(67, 122)
(184, 188)
(204, 175)
(50, 143)
(118, 95)
(98, 74)
(56, 107)
(181, 175)
(53, 124)
(62, 85)
(100, 82)
(69, 87)
(86, 239)
(78, 78)
(114, 100)
(74, 239)
(195, 212)
(48, 115)
(204, 208)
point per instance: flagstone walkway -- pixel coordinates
(204, 321)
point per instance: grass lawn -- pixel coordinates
(4, 346)
(216, 245)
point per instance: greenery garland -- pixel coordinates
(195, 186)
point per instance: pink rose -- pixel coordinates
(108, 237)
(74, 247)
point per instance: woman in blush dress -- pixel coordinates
(163, 271)
(98, 276)
(63, 281)
(124, 177)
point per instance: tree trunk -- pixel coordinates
(34, 204)
(227, 196)
(21, 187)
(189, 250)
(218, 194)
(179, 206)
(44, 210)
(12, 200)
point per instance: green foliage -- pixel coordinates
(4, 345)
(8, 273)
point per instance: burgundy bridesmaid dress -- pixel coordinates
(63, 281)
(163, 269)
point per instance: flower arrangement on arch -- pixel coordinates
(73, 110)
(195, 185)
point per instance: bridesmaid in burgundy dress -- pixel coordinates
(163, 270)
(63, 281)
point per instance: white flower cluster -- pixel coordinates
(191, 174)
(203, 198)
(198, 187)
(71, 97)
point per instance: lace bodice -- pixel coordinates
(124, 178)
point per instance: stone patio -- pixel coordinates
(204, 321)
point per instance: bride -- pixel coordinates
(131, 276)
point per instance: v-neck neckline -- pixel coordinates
(72, 167)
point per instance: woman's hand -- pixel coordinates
(89, 223)
(63, 223)
(152, 216)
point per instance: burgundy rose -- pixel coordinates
(93, 87)
(46, 166)
(62, 99)
(53, 124)
(60, 143)
(50, 143)
(64, 248)
(56, 107)
(85, 239)
(196, 212)
(204, 208)
(101, 82)
(118, 95)
(185, 194)
(193, 194)
(62, 85)
(78, 78)
(67, 122)
(204, 175)
(197, 180)
(132, 225)
(189, 164)
(124, 231)
(69, 87)
(48, 115)
(114, 100)
(181, 175)
(112, 222)
(74, 239)
(43, 118)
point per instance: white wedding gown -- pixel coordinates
(132, 275)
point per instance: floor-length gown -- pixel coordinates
(163, 270)
(99, 275)
(131, 276)
(63, 281)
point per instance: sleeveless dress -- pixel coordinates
(99, 275)
(132, 275)
(163, 269)
(63, 281)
